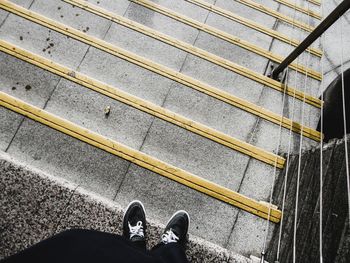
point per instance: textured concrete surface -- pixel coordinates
(86, 108)
(337, 36)
(335, 212)
(36, 205)
(66, 157)
(10, 121)
(155, 191)
(31, 206)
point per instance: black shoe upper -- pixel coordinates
(134, 223)
(178, 225)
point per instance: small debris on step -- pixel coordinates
(107, 111)
(48, 39)
(71, 74)
(59, 8)
(28, 87)
(51, 44)
(13, 88)
(21, 38)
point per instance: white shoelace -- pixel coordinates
(136, 230)
(169, 237)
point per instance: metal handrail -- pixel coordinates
(319, 30)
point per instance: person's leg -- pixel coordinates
(82, 246)
(171, 248)
(93, 246)
(170, 253)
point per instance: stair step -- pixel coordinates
(147, 107)
(225, 36)
(300, 9)
(277, 15)
(133, 58)
(181, 78)
(316, 2)
(64, 205)
(252, 24)
(139, 158)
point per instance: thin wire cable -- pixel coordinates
(344, 115)
(321, 151)
(299, 159)
(288, 161)
(289, 143)
(267, 226)
(278, 144)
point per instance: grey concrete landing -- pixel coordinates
(35, 205)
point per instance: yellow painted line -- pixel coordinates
(250, 23)
(151, 108)
(276, 14)
(225, 36)
(143, 105)
(315, 2)
(181, 45)
(139, 158)
(177, 43)
(150, 65)
(300, 9)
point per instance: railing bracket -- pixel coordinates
(281, 77)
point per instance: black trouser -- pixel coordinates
(73, 246)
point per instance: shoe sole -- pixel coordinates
(131, 203)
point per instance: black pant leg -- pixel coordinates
(170, 253)
(86, 246)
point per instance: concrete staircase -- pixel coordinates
(121, 180)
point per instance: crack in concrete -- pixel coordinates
(23, 118)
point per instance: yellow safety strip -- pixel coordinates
(300, 9)
(315, 2)
(276, 14)
(143, 105)
(225, 36)
(179, 44)
(148, 64)
(148, 107)
(256, 26)
(139, 158)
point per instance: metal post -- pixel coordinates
(322, 27)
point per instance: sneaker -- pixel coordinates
(134, 223)
(177, 229)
